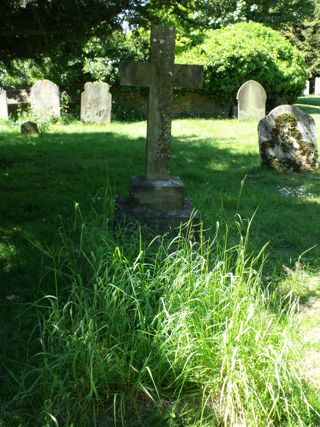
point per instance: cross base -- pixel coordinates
(128, 212)
(157, 194)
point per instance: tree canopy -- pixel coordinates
(274, 13)
(73, 40)
(305, 35)
(248, 50)
(36, 27)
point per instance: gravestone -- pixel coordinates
(29, 128)
(3, 105)
(157, 198)
(251, 99)
(96, 103)
(287, 140)
(317, 86)
(44, 98)
(307, 88)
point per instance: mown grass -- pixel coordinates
(189, 326)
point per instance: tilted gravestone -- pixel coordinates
(251, 99)
(158, 197)
(3, 104)
(45, 99)
(287, 140)
(96, 103)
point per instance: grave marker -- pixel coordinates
(44, 98)
(96, 103)
(287, 140)
(317, 86)
(3, 105)
(161, 75)
(159, 197)
(251, 98)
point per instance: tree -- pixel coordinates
(31, 28)
(274, 13)
(248, 50)
(306, 37)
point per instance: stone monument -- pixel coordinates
(157, 198)
(251, 99)
(29, 128)
(44, 98)
(3, 105)
(96, 103)
(317, 86)
(306, 90)
(287, 140)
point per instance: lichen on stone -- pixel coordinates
(286, 149)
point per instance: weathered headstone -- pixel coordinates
(287, 140)
(251, 99)
(317, 86)
(44, 98)
(307, 88)
(96, 103)
(3, 104)
(159, 197)
(29, 127)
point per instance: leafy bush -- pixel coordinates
(245, 51)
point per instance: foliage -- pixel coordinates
(244, 51)
(40, 178)
(167, 330)
(274, 13)
(305, 35)
(98, 60)
(34, 28)
(102, 57)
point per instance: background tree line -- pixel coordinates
(79, 40)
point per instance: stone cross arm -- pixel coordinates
(141, 74)
(160, 75)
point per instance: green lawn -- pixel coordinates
(42, 177)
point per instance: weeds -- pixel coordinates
(165, 333)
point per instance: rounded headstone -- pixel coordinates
(287, 140)
(45, 98)
(251, 99)
(96, 101)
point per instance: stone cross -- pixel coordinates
(161, 75)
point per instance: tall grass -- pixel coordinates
(168, 332)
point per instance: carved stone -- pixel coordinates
(3, 105)
(158, 195)
(44, 98)
(29, 127)
(251, 101)
(96, 101)
(287, 140)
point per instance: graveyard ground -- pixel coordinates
(46, 180)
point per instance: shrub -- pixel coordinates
(245, 51)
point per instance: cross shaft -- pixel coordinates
(161, 75)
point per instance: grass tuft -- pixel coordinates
(166, 333)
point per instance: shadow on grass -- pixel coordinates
(42, 177)
(309, 104)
